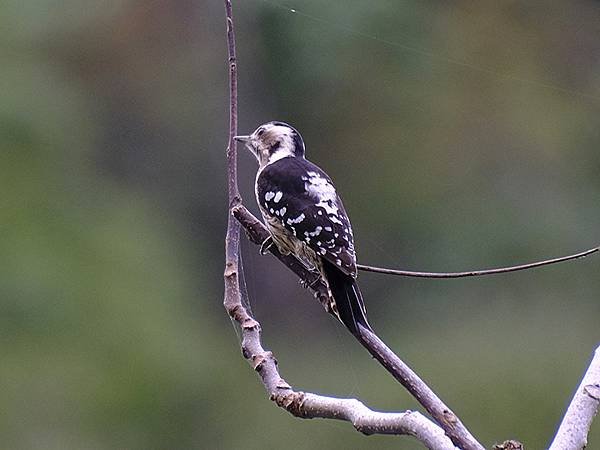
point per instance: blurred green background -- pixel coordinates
(462, 135)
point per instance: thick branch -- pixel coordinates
(575, 426)
(443, 415)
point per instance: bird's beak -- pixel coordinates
(242, 139)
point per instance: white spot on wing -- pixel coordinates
(278, 197)
(269, 196)
(298, 219)
(329, 206)
(316, 232)
(323, 191)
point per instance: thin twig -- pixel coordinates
(442, 414)
(232, 239)
(575, 426)
(475, 273)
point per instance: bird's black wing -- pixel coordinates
(303, 199)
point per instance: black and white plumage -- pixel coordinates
(306, 217)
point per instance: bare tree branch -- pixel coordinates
(232, 239)
(572, 433)
(475, 273)
(575, 426)
(442, 414)
(301, 404)
(369, 422)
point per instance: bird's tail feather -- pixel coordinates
(348, 298)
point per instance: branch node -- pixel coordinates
(450, 417)
(236, 312)
(259, 360)
(509, 445)
(291, 402)
(230, 269)
(593, 391)
(235, 202)
(249, 324)
(246, 352)
(282, 385)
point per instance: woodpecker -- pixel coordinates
(306, 217)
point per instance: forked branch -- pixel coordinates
(300, 404)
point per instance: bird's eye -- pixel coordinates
(260, 132)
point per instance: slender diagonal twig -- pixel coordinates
(475, 273)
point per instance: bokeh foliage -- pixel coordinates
(461, 135)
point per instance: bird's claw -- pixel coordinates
(309, 284)
(266, 245)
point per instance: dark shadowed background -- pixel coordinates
(461, 135)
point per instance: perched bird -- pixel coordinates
(306, 217)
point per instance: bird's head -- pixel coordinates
(273, 141)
